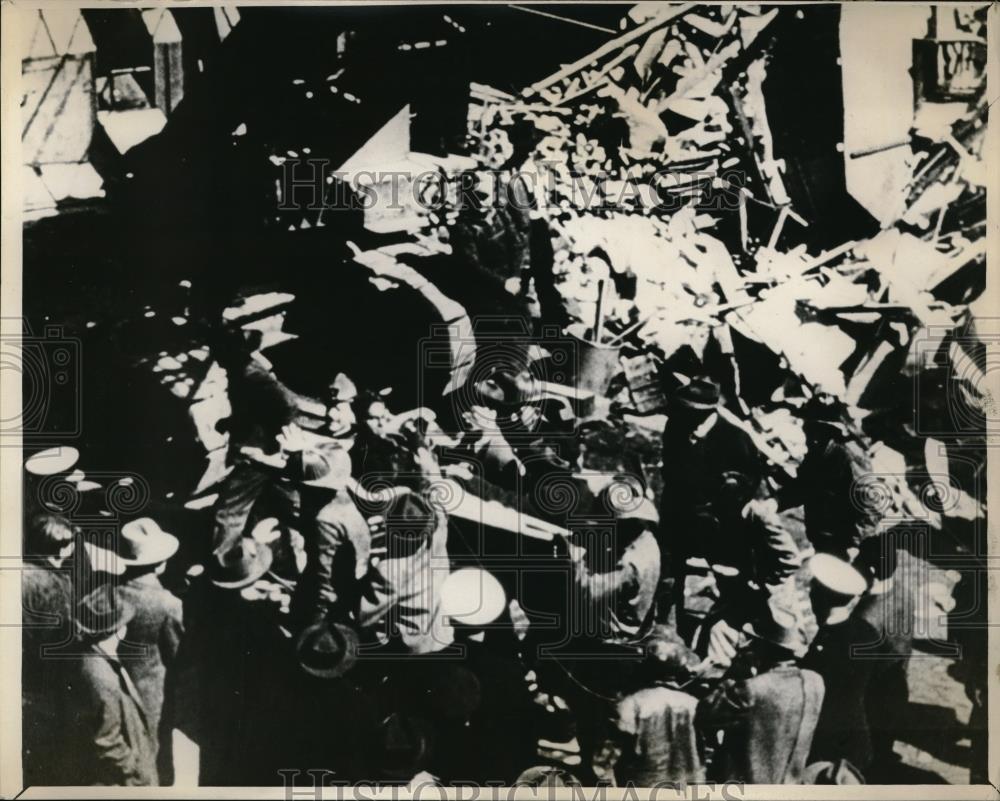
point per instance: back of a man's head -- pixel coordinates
(48, 535)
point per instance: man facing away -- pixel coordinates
(106, 733)
(47, 601)
(155, 632)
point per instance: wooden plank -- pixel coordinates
(610, 47)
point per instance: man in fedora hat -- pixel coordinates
(336, 534)
(767, 706)
(836, 520)
(155, 631)
(323, 718)
(699, 447)
(229, 679)
(108, 739)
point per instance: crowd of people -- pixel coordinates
(341, 616)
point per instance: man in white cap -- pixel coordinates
(842, 731)
(154, 633)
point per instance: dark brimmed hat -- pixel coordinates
(699, 393)
(241, 565)
(327, 650)
(103, 612)
(546, 776)
(781, 626)
(826, 410)
(404, 747)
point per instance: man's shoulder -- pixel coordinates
(98, 676)
(153, 599)
(37, 578)
(782, 679)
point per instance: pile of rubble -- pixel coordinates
(651, 160)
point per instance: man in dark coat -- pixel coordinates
(766, 705)
(222, 694)
(699, 447)
(155, 632)
(889, 608)
(107, 735)
(47, 601)
(826, 483)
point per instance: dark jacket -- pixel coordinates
(46, 600)
(227, 689)
(108, 737)
(843, 731)
(757, 543)
(768, 721)
(692, 471)
(835, 518)
(153, 638)
(892, 613)
(338, 546)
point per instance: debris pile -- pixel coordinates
(675, 237)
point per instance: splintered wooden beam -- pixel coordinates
(600, 78)
(608, 48)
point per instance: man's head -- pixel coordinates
(877, 559)
(50, 536)
(777, 634)
(340, 414)
(823, 419)
(692, 404)
(377, 416)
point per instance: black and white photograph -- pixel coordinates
(569, 398)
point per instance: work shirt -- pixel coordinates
(620, 600)
(768, 722)
(400, 593)
(659, 723)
